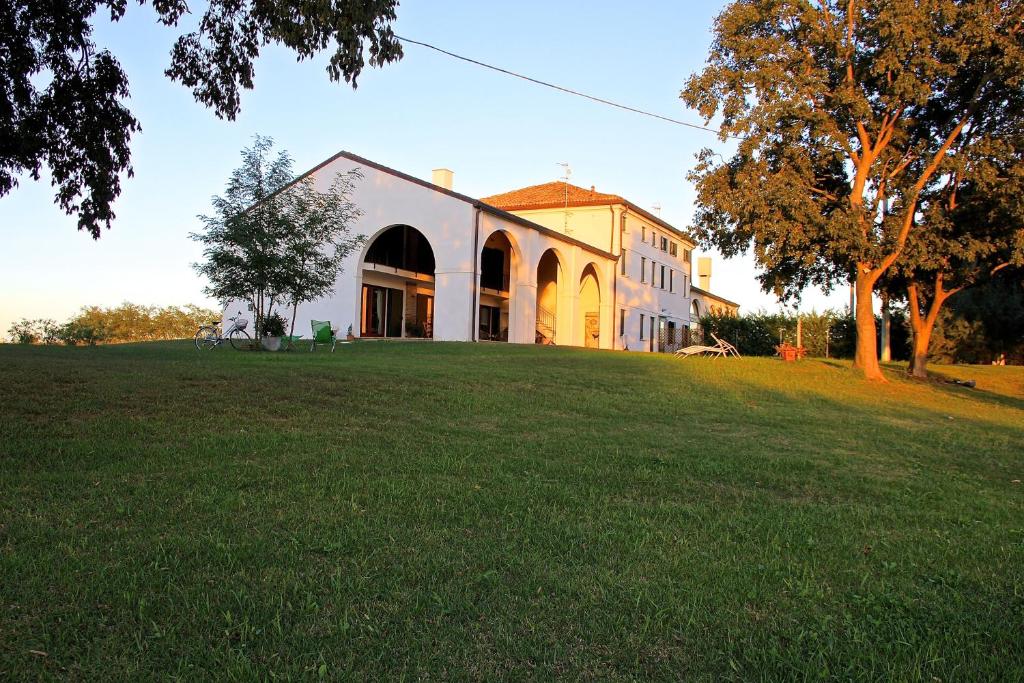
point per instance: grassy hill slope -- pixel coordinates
(492, 511)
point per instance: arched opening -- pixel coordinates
(497, 260)
(695, 333)
(590, 307)
(549, 276)
(398, 285)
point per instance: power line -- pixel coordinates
(564, 89)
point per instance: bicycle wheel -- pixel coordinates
(240, 340)
(206, 337)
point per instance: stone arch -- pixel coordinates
(590, 306)
(397, 269)
(551, 281)
(498, 264)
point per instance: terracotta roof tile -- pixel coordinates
(550, 195)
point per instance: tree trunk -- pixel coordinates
(886, 350)
(295, 312)
(919, 357)
(921, 327)
(866, 358)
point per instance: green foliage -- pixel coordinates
(39, 331)
(316, 239)
(63, 99)
(831, 333)
(274, 325)
(982, 323)
(276, 240)
(125, 323)
(845, 114)
(132, 322)
(82, 331)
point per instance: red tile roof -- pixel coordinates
(550, 195)
(553, 195)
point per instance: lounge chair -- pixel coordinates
(726, 347)
(720, 349)
(696, 350)
(323, 333)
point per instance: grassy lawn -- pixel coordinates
(450, 511)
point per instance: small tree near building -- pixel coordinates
(275, 240)
(316, 240)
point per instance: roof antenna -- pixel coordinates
(657, 210)
(565, 179)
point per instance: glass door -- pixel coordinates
(382, 312)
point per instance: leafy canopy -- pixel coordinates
(62, 96)
(846, 111)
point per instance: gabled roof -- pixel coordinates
(558, 194)
(476, 203)
(704, 292)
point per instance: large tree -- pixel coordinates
(841, 109)
(62, 97)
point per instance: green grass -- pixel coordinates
(447, 511)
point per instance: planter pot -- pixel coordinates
(271, 343)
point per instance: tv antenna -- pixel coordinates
(565, 179)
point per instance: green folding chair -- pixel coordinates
(323, 334)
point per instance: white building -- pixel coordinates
(551, 263)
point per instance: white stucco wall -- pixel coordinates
(456, 234)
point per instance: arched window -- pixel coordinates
(404, 247)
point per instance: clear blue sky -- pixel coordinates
(427, 111)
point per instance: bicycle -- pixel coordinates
(210, 336)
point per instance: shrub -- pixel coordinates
(42, 330)
(274, 325)
(76, 332)
(831, 333)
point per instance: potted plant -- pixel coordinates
(273, 329)
(349, 334)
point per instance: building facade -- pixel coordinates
(436, 264)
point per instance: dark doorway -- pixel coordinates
(382, 312)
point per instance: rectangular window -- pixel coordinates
(686, 254)
(664, 244)
(653, 265)
(622, 259)
(622, 322)
(653, 332)
(673, 249)
(643, 233)
(671, 280)
(643, 269)
(663, 277)
(642, 337)
(654, 239)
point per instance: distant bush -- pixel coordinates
(39, 331)
(125, 323)
(831, 333)
(74, 333)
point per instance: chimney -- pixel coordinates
(443, 178)
(704, 273)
